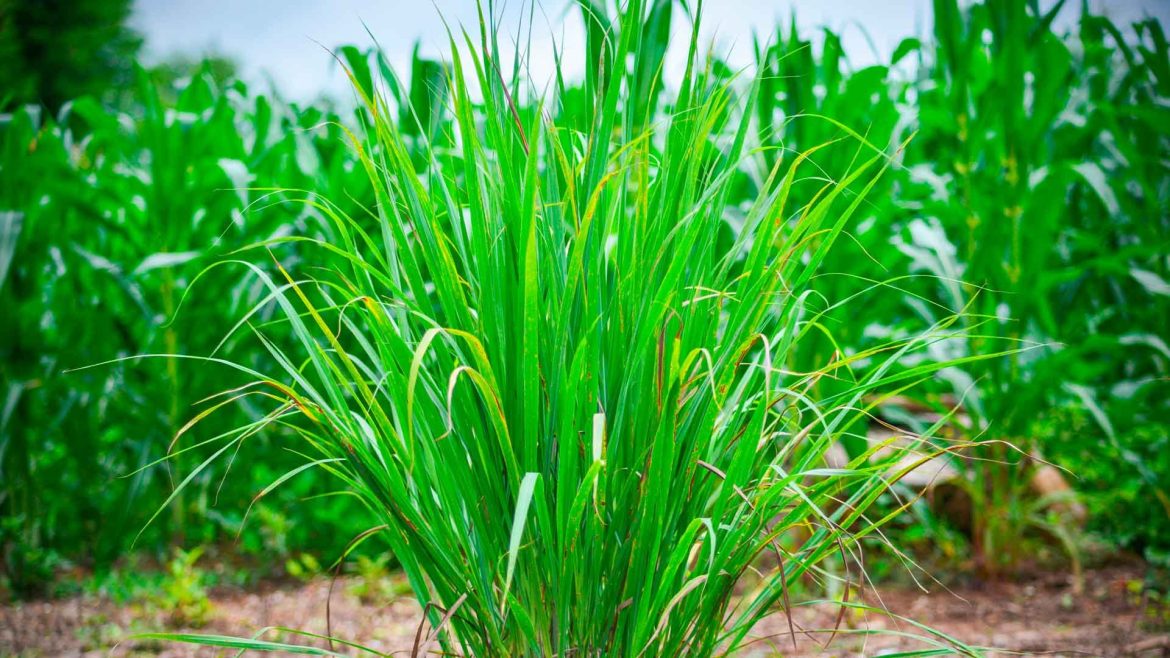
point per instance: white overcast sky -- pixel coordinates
(278, 39)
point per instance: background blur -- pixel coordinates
(277, 40)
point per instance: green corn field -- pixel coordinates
(620, 363)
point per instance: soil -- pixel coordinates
(1041, 614)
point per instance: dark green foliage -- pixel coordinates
(52, 51)
(105, 226)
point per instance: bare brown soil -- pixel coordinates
(1040, 615)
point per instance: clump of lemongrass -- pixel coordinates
(552, 362)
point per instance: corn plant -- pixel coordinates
(1026, 139)
(25, 223)
(106, 218)
(557, 367)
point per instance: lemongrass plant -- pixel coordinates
(554, 364)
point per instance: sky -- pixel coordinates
(284, 41)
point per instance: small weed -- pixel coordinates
(100, 633)
(1152, 596)
(374, 584)
(182, 594)
(303, 567)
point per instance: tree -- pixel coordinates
(52, 51)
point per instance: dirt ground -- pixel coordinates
(1042, 615)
